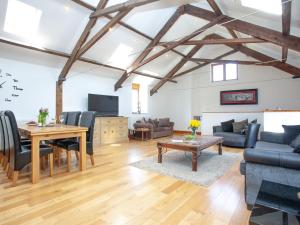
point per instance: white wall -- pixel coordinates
(195, 94)
(37, 74)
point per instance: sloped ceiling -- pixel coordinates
(63, 21)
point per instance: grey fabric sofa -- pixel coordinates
(230, 139)
(158, 128)
(270, 160)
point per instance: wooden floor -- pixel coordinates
(113, 192)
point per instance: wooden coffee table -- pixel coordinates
(195, 146)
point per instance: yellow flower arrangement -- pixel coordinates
(195, 124)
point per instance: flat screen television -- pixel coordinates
(104, 105)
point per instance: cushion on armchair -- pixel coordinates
(165, 122)
(290, 133)
(238, 127)
(227, 126)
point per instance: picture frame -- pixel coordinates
(239, 97)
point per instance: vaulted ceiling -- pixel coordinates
(151, 38)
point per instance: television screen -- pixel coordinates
(104, 104)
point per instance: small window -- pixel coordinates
(223, 72)
(135, 98)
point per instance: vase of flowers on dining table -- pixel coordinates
(43, 114)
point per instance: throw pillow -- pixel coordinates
(153, 122)
(296, 142)
(227, 126)
(238, 127)
(254, 121)
(290, 133)
(165, 122)
(297, 149)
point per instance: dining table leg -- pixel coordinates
(82, 151)
(35, 159)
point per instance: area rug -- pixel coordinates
(211, 166)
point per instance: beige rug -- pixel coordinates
(211, 166)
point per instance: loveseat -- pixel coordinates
(158, 127)
(231, 138)
(271, 159)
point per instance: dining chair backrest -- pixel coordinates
(73, 118)
(11, 140)
(13, 132)
(88, 120)
(2, 138)
(64, 115)
(2, 144)
(5, 135)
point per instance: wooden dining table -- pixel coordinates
(57, 131)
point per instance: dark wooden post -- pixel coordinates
(59, 100)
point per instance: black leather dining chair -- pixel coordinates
(2, 144)
(64, 115)
(73, 118)
(20, 155)
(87, 120)
(5, 160)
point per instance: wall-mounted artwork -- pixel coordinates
(239, 97)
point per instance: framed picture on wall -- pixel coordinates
(239, 97)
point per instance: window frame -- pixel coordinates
(224, 72)
(136, 87)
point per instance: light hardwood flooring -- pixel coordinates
(113, 192)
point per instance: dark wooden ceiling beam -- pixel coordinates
(151, 45)
(242, 62)
(172, 46)
(102, 32)
(218, 41)
(286, 24)
(270, 35)
(203, 64)
(178, 66)
(79, 44)
(82, 59)
(120, 7)
(290, 69)
(123, 24)
(84, 4)
(219, 12)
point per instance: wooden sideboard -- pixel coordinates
(110, 130)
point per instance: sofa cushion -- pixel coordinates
(164, 122)
(273, 158)
(232, 139)
(238, 127)
(268, 146)
(290, 133)
(227, 126)
(297, 149)
(153, 122)
(254, 121)
(296, 142)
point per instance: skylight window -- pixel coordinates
(22, 19)
(269, 6)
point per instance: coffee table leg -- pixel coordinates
(220, 148)
(159, 155)
(194, 161)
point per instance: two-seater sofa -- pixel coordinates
(271, 159)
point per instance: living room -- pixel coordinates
(132, 116)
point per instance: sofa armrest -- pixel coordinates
(272, 137)
(252, 135)
(217, 129)
(280, 159)
(172, 124)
